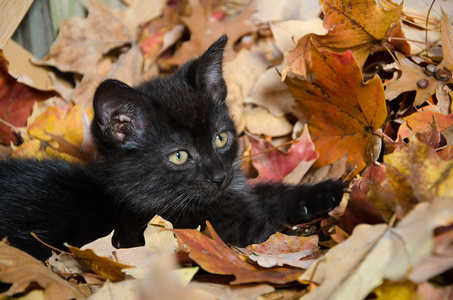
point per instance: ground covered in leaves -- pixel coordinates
(358, 90)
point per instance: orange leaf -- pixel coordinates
(353, 25)
(214, 256)
(345, 111)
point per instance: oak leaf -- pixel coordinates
(373, 253)
(344, 111)
(21, 270)
(214, 256)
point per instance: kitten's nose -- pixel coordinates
(218, 179)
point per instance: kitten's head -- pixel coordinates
(169, 142)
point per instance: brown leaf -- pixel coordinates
(21, 270)
(82, 43)
(411, 74)
(100, 265)
(281, 249)
(215, 257)
(206, 27)
(374, 253)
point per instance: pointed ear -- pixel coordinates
(206, 71)
(118, 115)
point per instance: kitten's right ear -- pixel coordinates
(118, 114)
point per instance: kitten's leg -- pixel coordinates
(287, 204)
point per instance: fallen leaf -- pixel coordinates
(281, 249)
(240, 76)
(260, 121)
(344, 110)
(82, 43)
(100, 265)
(360, 210)
(378, 252)
(58, 132)
(351, 26)
(205, 29)
(414, 174)
(214, 256)
(21, 270)
(411, 74)
(16, 103)
(273, 165)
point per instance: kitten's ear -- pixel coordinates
(118, 114)
(207, 70)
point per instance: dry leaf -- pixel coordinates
(82, 43)
(351, 25)
(372, 253)
(414, 174)
(281, 249)
(205, 28)
(20, 269)
(217, 258)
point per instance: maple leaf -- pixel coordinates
(274, 165)
(16, 103)
(205, 29)
(351, 25)
(414, 174)
(21, 270)
(214, 256)
(82, 43)
(344, 110)
(373, 253)
(411, 74)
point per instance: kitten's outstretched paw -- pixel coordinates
(325, 196)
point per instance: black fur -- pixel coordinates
(136, 129)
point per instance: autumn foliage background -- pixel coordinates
(357, 90)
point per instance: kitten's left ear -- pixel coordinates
(207, 70)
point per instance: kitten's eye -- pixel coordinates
(179, 157)
(221, 140)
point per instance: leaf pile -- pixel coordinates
(364, 95)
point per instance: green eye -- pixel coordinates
(179, 157)
(221, 140)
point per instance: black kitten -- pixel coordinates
(166, 147)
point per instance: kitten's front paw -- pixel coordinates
(324, 197)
